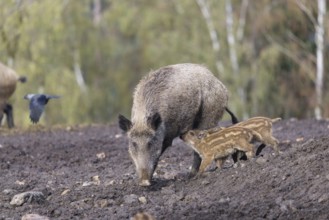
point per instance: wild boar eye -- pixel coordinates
(134, 145)
(149, 144)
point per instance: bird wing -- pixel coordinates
(36, 110)
(52, 96)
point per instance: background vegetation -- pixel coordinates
(94, 52)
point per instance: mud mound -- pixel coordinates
(86, 173)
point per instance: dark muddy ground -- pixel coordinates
(85, 173)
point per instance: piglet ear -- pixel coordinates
(201, 134)
(154, 121)
(124, 123)
(192, 133)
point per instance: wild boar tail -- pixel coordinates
(233, 117)
(275, 119)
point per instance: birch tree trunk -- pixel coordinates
(231, 38)
(233, 56)
(96, 12)
(78, 72)
(242, 20)
(319, 33)
(212, 33)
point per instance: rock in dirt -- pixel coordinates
(21, 183)
(323, 198)
(142, 199)
(81, 204)
(8, 191)
(30, 197)
(129, 199)
(101, 203)
(66, 191)
(205, 182)
(101, 155)
(285, 205)
(118, 136)
(34, 217)
(261, 160)
(94, 181)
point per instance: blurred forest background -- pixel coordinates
(94, 52)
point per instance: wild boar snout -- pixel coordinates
(145, 149)
(145, 178)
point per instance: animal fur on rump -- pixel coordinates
(167, 103)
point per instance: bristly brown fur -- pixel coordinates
(261, 125)
(184, 96)
(218, 145)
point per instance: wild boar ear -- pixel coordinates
(154, 121)
(124, 123)
(191, 132)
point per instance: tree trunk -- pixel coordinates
(233, 56)
(242, 20)
(319, 33)
(78, 73)
(212, 32)
(96, 12)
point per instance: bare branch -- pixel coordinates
(307, 11)
(285, 51)
(300, 43)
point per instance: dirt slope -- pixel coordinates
(85, 173)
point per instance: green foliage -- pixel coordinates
(47, 39)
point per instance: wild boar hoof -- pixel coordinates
(192, 175)
(213, 169)
(201, 175)
(145, 183)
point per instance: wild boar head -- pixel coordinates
(194, 137)
(145, 145)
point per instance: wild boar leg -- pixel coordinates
(202, 121)
(238, 155)
(166, 143)
(204, 164)
(250, 150)
(196, 163)
(273, 142)
(219, 162)
(9, 112)
(260, 148)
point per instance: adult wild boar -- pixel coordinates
(167, 103)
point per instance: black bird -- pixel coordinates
(37, 104)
